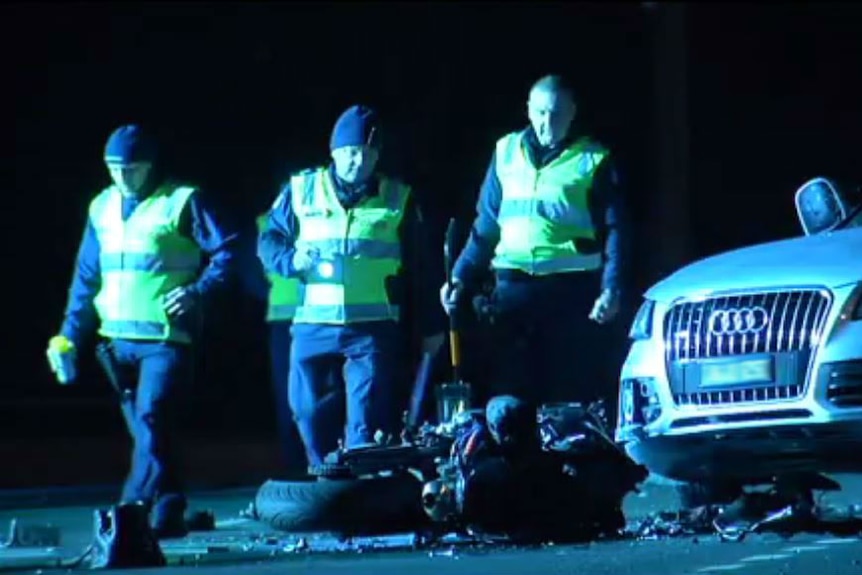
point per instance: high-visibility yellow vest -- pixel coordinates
(141, 260)
(359, 249)
(542, 211)
(283, 292)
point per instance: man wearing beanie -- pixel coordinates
(550, 225)
(353, 237)
(151, 254)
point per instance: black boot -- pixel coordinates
(169, 521)
(123, 538)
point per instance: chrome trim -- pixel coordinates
(797, 320)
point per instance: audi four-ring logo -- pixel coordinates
(738, 321)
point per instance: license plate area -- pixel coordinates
(735, 372)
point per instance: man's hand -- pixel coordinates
(606, 308)
(450, 295)
(179, 301)
(305, 259)
(432, 344)
(62, 358)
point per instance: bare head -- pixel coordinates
(551, 108)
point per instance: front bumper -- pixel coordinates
(815, 426)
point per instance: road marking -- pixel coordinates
(732, 567)
(804, 548)
(231, 522)
(839, 541)
(765, 557)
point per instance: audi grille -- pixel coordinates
(785, 325)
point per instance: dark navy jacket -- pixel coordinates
(606, 207)
(250, 273)
(198, 222)
(419, 261)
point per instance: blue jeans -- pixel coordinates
(153, 377)
(290, 444)
(324, 408)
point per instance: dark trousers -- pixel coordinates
(543, 346)
(290, 444)
(325, 410)
(153, 378)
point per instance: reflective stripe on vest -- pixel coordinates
(141, 260)
(359, 249)
(543, 211)
(283, 292)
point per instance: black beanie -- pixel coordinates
(357, 126)
(130, 143)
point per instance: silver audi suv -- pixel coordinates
(748, 365)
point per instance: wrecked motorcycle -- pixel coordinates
(557, 477)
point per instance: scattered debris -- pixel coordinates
(781, 509)
(22, 535)
(250, 512)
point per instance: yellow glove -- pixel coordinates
(62, 358)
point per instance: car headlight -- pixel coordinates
(642, 325)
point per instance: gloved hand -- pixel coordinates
(179, 301)
(451, 295)
(62, 358)
(305, 259)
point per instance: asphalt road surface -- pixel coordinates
(220, 552)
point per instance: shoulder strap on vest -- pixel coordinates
(302, 186)
(394, 193)
(100, 202)
(507, 147)
(183, 193)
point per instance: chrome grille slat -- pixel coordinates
(746, 395)
(796, 322)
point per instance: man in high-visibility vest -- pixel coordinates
(152, 252)
(282, 297)
(551, 228)
(350, 235)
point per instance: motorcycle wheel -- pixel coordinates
(349, 507)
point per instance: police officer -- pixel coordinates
(351, 235)
(140, 277)
(282, 296)
(550, 226)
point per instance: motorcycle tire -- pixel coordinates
(348, 507)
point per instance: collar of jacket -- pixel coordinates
(351, 194)
(540, 156)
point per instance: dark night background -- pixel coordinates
(243, 94)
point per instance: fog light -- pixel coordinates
(649, 401)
